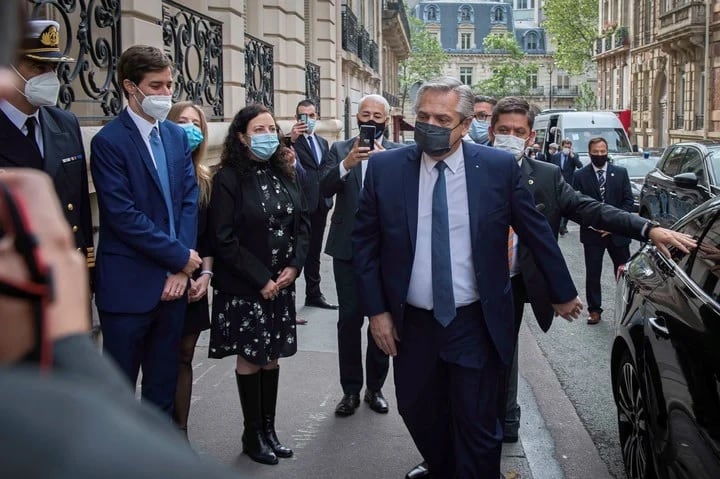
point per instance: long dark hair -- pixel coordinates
(236, 154)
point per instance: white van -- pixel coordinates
(580, 127)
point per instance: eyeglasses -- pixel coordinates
(482, 116)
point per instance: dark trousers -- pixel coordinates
(594, 254)
(450, 408)
(318, 220)
(511, 420)
(150, 341)
(350, 322)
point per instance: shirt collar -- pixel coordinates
(15, 116)
(143, 126)
(452, 161)
(604, 168)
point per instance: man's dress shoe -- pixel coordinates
(319, 302)
(347, 405)
(377, 401)
(594, 317)
(419, 471)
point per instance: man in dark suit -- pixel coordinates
(147, 196)
(450, 332)
(609, 184)
(343, 172)
(310, 149)
(34, 133)
(568, 162)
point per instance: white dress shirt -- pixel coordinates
(514, 265)
(145, 128)
(19, 118)
(420, 291)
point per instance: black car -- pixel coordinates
(687, 175)
(637, 166)
(665, 361)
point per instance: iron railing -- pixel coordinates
(350, 31)
(312, 84)
(91, 33)
(397, 7)
(193, 42)
(259, 79)
(392, 99)
(565, 91)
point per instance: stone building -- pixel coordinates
(461, 27)
(660, 59)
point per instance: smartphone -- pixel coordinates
(303, 117)
(287, 141)
(367, 136)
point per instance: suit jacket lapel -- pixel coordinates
(137, 139)
(475, 180)
(52, 135)
(13, 153)
(411, 187)
(302, 142)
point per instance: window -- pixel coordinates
(498, 14)
(532, 80)
(466, 75)
(693, 163)
(432, 13)
(563, 81)
(465, 41)
(531, 41)
(705, 270)
(465, 14)
(524, 4)
(674, 160)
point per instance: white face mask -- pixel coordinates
(156, 106)
(566, 151)
(41, 90)
(511, 144)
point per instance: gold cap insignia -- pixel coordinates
(50, 37)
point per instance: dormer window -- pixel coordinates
(466, 14)
(531, 41)
(498, 14)
(432, 13)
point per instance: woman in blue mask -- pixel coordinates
(261, 232)
(197, 317)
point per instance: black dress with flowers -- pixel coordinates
(244, 323)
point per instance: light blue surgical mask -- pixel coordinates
(310, 125)
(264, 145)
(194, 134)
(479, 131)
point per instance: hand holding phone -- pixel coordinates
(367, 136)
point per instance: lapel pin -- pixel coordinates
(612, 174)
(530, 181)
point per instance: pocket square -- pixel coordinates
(540, 207)
(71, 158)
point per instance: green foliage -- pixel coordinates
(586, 100)
(573, 27)
(426, 61)
(510, 67)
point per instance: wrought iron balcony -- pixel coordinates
(536, 91)
(392, 99)
(622, 37)
(193, 42)
(686, 17)
(88, 86)
(350, 31)
(312, 84)
(396, 27)
(570, 91)
(259, 79)
(598, 46)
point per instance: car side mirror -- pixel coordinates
(686, 180)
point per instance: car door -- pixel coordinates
(681, 354)
(655, 195)
(683, 200)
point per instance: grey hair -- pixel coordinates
(377, 98)
(466, 98)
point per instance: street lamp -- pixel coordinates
(550, 68)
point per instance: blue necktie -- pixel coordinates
(161, 164)
(443, 297)
(312, 149)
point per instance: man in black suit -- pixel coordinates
(310, 150)
(554, 198)
(568, 162)
(609, 184)
(36, 134)
(343, 174)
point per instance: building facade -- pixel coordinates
(659, 58)
(461, 27)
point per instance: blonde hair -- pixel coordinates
(203, 174)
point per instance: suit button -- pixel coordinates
(70, 207)
(75, 228)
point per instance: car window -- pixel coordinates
(674, 160)
(616, 139)
(714, 160)
(693, 228)
(693, 163)
(636, 166)
(706, 268)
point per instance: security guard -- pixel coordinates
(34, 133)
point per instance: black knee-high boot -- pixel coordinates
(253, 439)
(269, 381)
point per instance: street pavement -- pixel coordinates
(554, 440)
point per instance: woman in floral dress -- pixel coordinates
(258, 219)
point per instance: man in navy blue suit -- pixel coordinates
(147, 196)
(609, 184)
(434, 279)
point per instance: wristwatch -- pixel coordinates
(648, 226)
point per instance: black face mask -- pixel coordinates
(379, 127)
(598, 160)
(433, 140)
